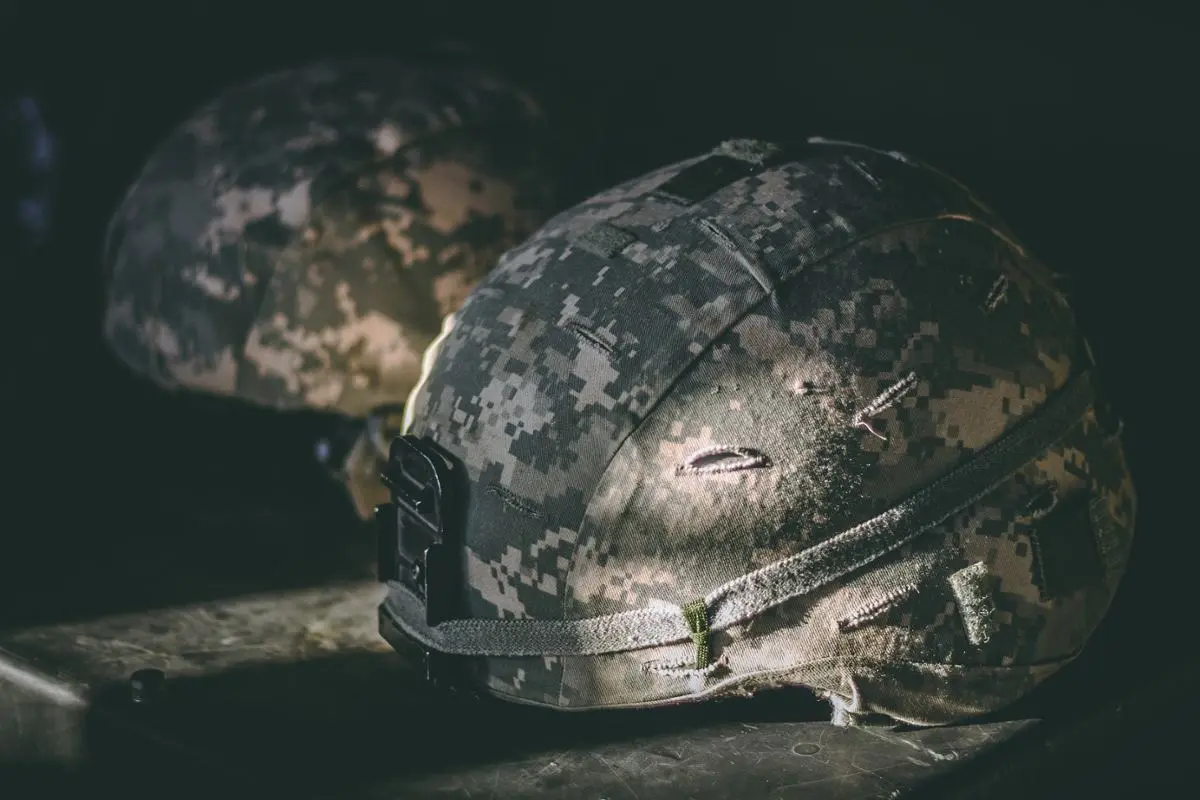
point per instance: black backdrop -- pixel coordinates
(1074, 123)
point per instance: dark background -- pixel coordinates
(1073, 121)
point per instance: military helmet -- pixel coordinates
(296, 242)
(804, 415)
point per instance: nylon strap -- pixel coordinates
(750, 595)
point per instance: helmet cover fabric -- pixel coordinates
(805, 415)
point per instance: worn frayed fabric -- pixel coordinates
(973, 597)
(296, 242)
(827, 322)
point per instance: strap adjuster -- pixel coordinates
(414, 529)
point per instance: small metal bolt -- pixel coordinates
(147, 685)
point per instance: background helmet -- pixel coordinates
(296, 242)
(770, 416)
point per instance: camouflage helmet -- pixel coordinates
(800, 415)
(296, 242)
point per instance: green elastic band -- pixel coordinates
(696, 614)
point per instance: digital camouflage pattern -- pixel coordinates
(296, 242)
(734, 361)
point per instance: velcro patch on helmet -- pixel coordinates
(1065, 555)
(972, 588)
(753, 150)
(604, 240)
(731, 162)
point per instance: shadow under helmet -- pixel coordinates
(775, 415)
(296, 242)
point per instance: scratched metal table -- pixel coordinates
(261, 615)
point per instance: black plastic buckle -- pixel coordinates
(446, 673)
(420, 542)
(418, 529)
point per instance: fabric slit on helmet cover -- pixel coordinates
(295, 243)
(765, 417)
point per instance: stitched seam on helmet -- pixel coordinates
(886, 399)
(681, 668)
(876, 608)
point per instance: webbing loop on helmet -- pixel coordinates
(695, 614)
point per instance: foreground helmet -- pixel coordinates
(297, 241)
(770, 416)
